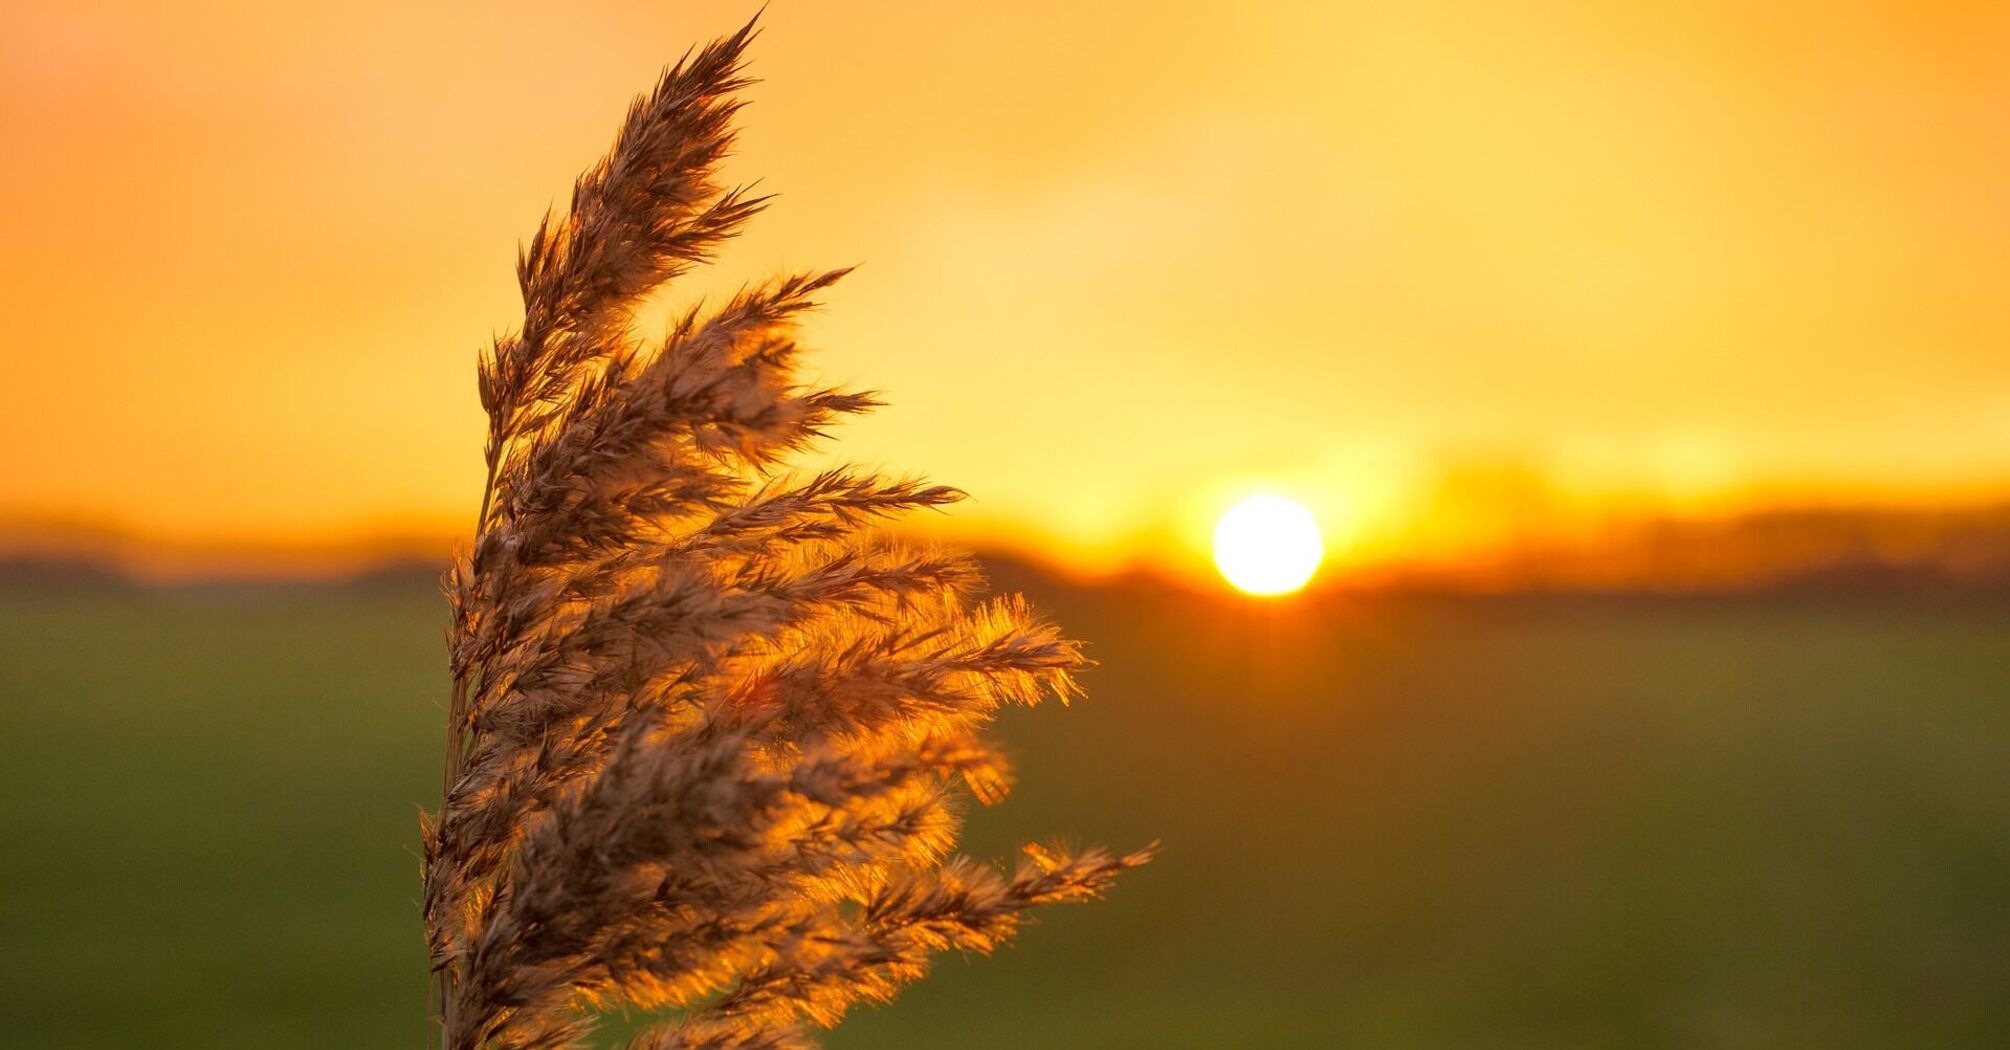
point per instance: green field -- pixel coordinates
(1387, 823)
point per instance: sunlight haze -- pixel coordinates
(1116, 268)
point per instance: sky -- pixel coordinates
(1432, 268)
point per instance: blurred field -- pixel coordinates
(1387, 823)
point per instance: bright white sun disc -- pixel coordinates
(1267, 545)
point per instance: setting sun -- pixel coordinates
(1267, 545)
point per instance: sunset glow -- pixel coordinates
(1267, 545)
(1490, 270)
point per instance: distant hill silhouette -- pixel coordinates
(1820, 550)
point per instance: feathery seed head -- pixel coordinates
(710, 732)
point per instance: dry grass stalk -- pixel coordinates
(708, 730)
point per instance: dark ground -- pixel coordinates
(1388, 822)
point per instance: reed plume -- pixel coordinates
(709, 726)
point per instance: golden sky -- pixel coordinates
(1120, 261)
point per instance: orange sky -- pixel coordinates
(1410, 262)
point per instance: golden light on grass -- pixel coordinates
(1267, 545)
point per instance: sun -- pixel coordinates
(1267, 545)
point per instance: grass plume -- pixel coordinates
(709, 727)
